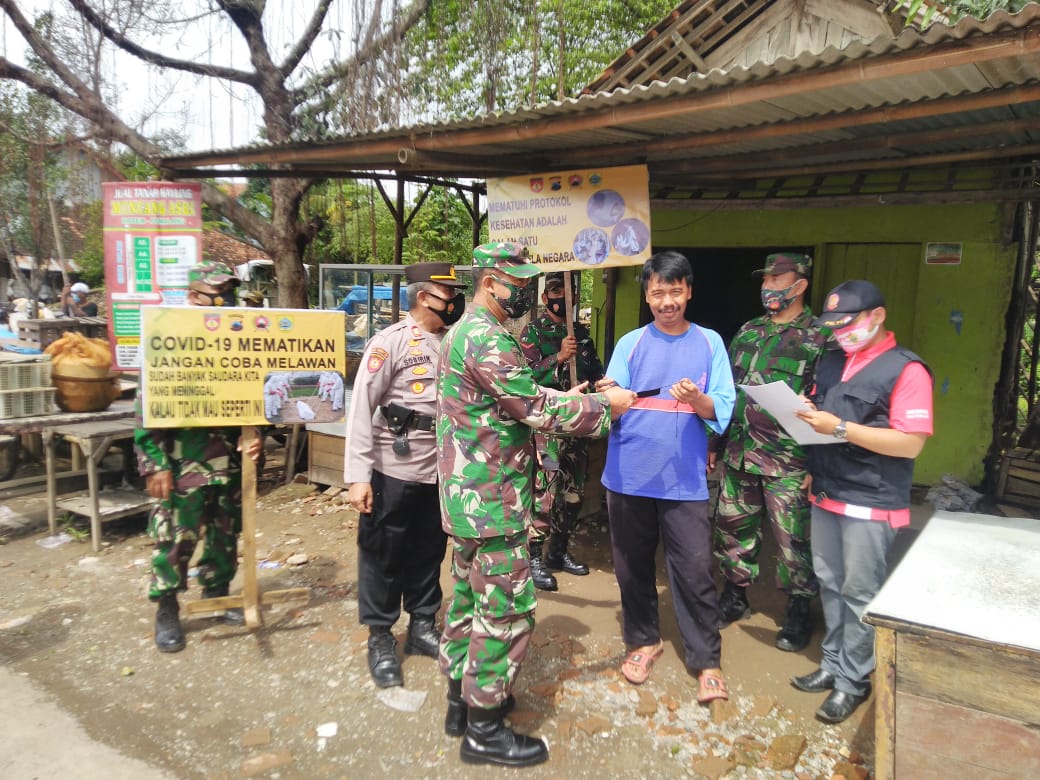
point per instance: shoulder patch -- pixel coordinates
(376, 359)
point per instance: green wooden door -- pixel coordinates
(892, 267)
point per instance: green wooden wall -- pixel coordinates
(951, 315)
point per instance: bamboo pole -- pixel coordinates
(568, 307)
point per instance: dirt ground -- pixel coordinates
(294, 699)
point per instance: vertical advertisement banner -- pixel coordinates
(153, 235)
(574, 220)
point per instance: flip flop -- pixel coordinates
(712, 686)
(637, 664)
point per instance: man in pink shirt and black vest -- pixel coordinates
(875, 398)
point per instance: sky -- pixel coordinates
(209, 113)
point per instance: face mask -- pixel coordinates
(520, 299)
(775, 301)
(557, 306)
(453, 308)
(77, 297)
(855, 337)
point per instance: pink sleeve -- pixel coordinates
(911, 407)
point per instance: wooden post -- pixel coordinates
(250, 599)
(568, 307)
(609, 309)
(59, 245)
(884, 703)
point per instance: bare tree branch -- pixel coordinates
(155, 58)
(370, 51)
(306, 40)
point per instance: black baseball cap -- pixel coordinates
(847, 300)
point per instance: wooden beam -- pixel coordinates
(730, 203)
(654, 46)
(823, 157)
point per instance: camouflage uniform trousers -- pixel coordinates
(559, 493)
(489, 620)
(175, 524)
(744, 500)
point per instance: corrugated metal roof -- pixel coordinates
(950, 79)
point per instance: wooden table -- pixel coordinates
(958, 653)
(93, 439)
(18, 426)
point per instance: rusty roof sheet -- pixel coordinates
(913, 97)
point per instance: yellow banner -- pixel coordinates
(574, 220)
(204, 367)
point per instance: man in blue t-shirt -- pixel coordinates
(656, 477)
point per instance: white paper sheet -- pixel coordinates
(780, 400)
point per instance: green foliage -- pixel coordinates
(921, 13)
(442, 230)
(30, 172)
(351, 223)
(981, 9)
(91, 258)
(485, 56)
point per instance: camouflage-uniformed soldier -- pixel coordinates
(391, 467)
(488, 405)
(763, 469)
(196, 475)
(564, 463)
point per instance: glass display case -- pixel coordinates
(371, 298)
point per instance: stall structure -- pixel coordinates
(958, 653)
(899, 155)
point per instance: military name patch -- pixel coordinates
(376, 359)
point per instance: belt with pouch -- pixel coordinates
(400, 418)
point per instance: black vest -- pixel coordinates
(845, 472)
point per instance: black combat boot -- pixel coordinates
(455, 720)
(383, 662)
(169, 637)
(542, 577)
(423, 638)
(234, 616)
(798, 625)
(489, 741)
(558, 559)
(733, 604)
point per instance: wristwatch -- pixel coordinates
(840, 432)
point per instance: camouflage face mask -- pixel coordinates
(520, 299)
